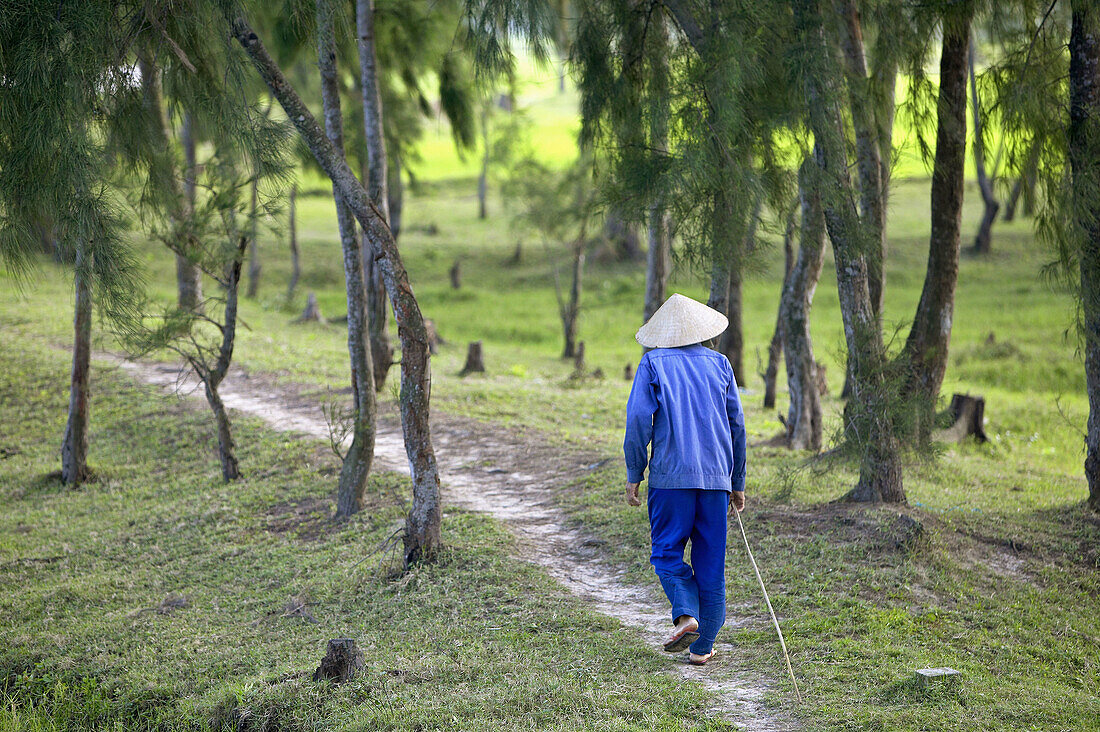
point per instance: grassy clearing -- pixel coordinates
(1001, 586)
(92, 639)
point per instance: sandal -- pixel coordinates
(700, 660)
(683, 635)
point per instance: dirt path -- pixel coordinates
(508, 476)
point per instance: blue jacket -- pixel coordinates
(685, 401)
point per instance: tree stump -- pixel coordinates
(312, 313)
(969, 415)
(341, 663)
(456, 275)
(628, 373)
(434, 341)
(474, 361)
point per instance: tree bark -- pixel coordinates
(732, 341)
(1084, 151)
(775, 346)
(926, 348)
(422, 538)
(74, 448)
(570, 309)
(872, 200)
(292, 226)
(982, 241)
(188, 274)
(181, 202)
(377, 188)
(483, 176)
(395, 194)
(254, 266)
(357, 460)
(212, 376)
(658, 233)
(804, 413)
(872, 424)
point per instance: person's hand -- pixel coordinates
(632, 494)
(737, 500)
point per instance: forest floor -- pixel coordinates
(159, 597)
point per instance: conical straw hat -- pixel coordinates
(681, 321)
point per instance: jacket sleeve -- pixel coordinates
(737, 431)
(640, 408)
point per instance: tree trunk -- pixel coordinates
(869, 138)
(658, 233)
(213, 377)
(422, 538)
(982, 243)
(180, 202)
(732, 341)
(804, 414)
(483, 176)
(872, 425)
(292, 225)
(357, 460)
(74, 448)
(188, 274)
(254, 266)
(395, 195)
(657, 259)
(872, 201)
(1084, 151)
(377, 188)
(926, 348)
(571, 310)
(775, 346)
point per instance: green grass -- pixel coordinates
(475, 641)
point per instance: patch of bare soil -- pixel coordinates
(308, 519)
(510, 474)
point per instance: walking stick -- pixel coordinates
(767, 599)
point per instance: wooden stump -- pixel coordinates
(456, 275)
(312, 313)
(341, 663)
(969, 415)
(474, 360)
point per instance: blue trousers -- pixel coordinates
(698, 590)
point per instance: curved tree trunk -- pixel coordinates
(804, 414)
(74, 447)
(357, 460)
(925, 353)
(872, 425)
(212, 376)
(982, 241)
(775, 346)
(377, 187)
(570, 309)
(422, 538)
(1084, 150)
